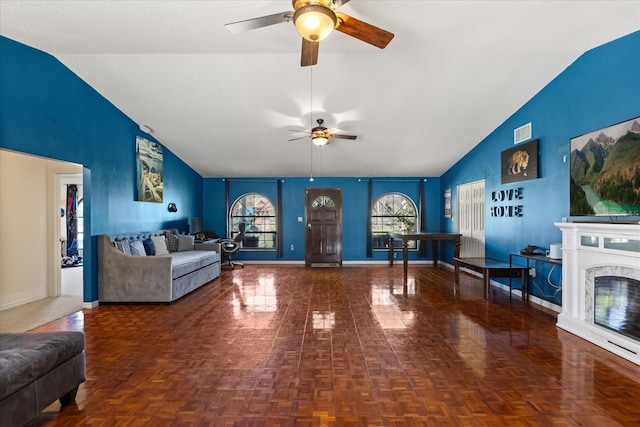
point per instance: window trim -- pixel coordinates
(416, 218)
(233, 230)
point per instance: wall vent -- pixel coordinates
(522, 133)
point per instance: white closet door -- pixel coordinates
(471, 218)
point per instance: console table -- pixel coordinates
(489, 268)
(532, 257)
(435, 238)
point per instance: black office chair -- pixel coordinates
(231, 246)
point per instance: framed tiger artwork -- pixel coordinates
(520, 163)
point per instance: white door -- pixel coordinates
(471, 218)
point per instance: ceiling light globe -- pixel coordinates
(314, 22)
(320, 140)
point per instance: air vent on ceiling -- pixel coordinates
(522, 133)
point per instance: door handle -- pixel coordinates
(309, 227)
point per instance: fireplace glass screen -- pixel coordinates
(617, 304)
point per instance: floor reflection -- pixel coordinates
(255, 302)
(471, 343)
(387, 302)
(324, 320)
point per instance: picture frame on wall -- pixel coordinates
(447, 202)
(520, 163)
(149, 171)
(605, 171)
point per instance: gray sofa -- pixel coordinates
(164, 278)
(36, 369)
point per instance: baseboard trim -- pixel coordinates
(22, 302)
(90, 305)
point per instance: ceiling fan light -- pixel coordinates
(314, 22)
(320, 140)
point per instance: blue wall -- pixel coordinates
(600, 88)
(355, 210)
(46, 110)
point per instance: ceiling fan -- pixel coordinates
(320, 135)
(315, 20)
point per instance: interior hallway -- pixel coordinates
(295, 346)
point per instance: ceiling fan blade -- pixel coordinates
(300, 137)
(341, 136)
(309, 53)
(263, 21)
(363, 31)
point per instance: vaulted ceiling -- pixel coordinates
(227, 103)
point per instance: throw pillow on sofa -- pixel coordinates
(171, 240)
(123, 246)
(160, 245)
(185, 243)
(148, 247)
(137, 248)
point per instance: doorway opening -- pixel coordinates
(30, 216)
(71, 232)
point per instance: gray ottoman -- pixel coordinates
(36, 369)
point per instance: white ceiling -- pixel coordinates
(225, 103)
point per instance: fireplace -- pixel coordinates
(617, 305)
(601, 285)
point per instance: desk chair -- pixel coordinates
(231, 246)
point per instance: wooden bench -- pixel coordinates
(489, 268)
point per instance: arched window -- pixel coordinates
(392, 212)
(323, 202)
(257, 211)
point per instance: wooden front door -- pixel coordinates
(323, 243)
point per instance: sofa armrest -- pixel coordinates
(211, 245)
(127, 278)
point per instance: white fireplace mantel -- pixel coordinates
(612, 249)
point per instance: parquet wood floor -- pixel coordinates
(352, 346)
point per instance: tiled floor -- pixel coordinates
(351, 346)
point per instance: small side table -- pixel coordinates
(534, 257)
